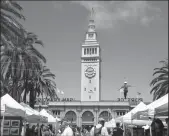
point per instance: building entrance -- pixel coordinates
(87, 120)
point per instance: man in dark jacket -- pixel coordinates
(157, 127)
(117, 131)
(28, 130)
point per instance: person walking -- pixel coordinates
(28, 130)
(157, 127)
(117, 131)
(46, 131)
(99, 129)
(66, 130)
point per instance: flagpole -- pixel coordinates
(2, 123)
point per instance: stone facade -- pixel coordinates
(86, 113)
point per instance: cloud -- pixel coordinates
(110, 13)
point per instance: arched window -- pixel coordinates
(87, 116)
(106, 115)
(71, 116)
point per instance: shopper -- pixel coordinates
(117, 131)
(99, 129)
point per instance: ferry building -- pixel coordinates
(87, 111)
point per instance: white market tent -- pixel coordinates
(163, 109)
(32, 116)
(51, 119)
(110, 124)
(155, 108)
(11, 107)
(128, 116)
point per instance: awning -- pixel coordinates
(9, 106)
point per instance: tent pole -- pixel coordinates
(2, 123)
(150, 127)
(124, 128)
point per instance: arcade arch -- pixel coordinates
(105, 115)
(71, 116)
(87, 120)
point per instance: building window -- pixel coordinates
(95, 50)
(90, 81)
(84, 51)
(95, 89)
(84, 89)
(92, 50)
(87, 50)
(89, 97)
(56, 112)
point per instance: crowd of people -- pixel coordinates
(66, 129)
(42, 130)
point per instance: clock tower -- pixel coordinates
(90, 65)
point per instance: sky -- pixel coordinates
(133, 37)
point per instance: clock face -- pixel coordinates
(90, 35)
(90, 72)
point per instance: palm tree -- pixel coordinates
(160, 83)
(11, 29)
(21, 61)
(42, 84)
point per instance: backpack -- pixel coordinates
(97, 131)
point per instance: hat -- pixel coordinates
(101, 119)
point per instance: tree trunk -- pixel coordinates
(32, 97)
(26, 88)
(14, 90)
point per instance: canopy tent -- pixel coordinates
(110, 124)
(162, 110)
(127, 117)
(138, 122)
(33, 116)
(154, 108)
(51, 119)
(11, 107)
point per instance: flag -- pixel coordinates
(58, 91)
(62, 92)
